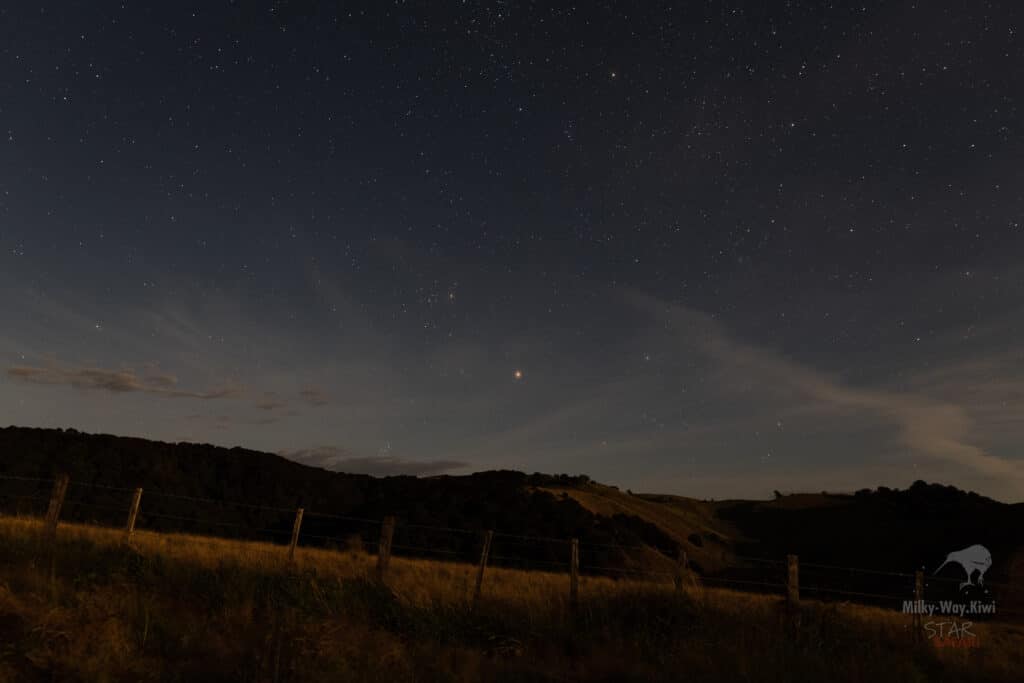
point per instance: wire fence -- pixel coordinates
(161, 511)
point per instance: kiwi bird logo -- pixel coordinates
(975, 558)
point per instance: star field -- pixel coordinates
(630, 241)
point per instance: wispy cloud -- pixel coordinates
(929, 425)
(314, 396)
(270, 401)
(629, 389)
(712, 413)
(114, 381)
(341, 460)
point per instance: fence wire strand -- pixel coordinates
(504, 540)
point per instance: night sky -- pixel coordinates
(712, 249)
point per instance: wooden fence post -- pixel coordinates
(133, 513)
(60, 488)
(295, 535)
(574, 573)
(793, 580)
(387, 531)
(681, 565)
(918, 602)
(483, 565)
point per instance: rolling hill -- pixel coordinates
(897, 531)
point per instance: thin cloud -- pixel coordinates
(113, 381)
(929, 426)
(270, 402)
(227, 421)
(315, 397)
(955, 415)
(341, 460)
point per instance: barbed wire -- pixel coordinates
(98, 506)
(741, 582)
(947, 579)
(552, 563)
(614, 545)
(530, 563)
(433, 551)
(764, 560)
(503, 538)
(197, 520)
(860, 594)
(346, 518)
(23, 496)
(543, 539)
(409, 525)
(342, 539)
(832, 567)
(626, 570)
(95, 485)
(184, 538)
(200, 499)
(15, 477)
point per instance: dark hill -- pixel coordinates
(181, 480)
(884, 529)
(892, 534)
(243, 493)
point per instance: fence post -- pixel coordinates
(295, 535)
(60, 488)
(574, 573)
(680, 570)
(793, 580)
(133, 513)
(918, 602)
(483, 565)
(387, 531)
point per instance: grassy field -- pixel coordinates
(186, 608)
(680, 518)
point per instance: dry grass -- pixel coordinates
(678, 520)
(182, 607)
(417, 582)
